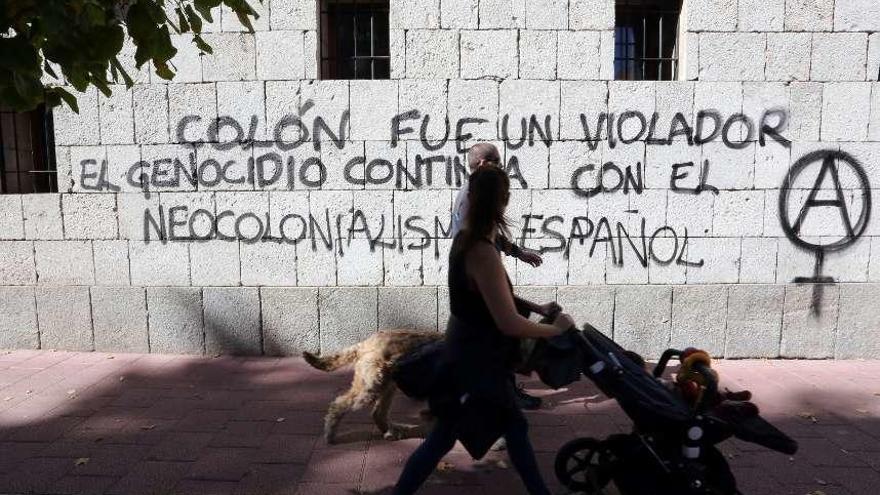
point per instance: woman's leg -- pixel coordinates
(519, 448)
(422, 462)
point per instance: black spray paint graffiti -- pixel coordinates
(829, 162)
(771, 124)
(281, 164)
(288, 124)
(336, 231)
(582, 229)
(611, 178)
(281, 171)
(330, 231)
(611, 127)
(276, 167)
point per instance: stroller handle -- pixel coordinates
(711, 385)
(664, 361)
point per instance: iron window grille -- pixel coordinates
(27, 152)
(646, 39)
(355, 39)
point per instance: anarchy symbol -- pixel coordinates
(829, 161)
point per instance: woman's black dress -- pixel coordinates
(477, 393)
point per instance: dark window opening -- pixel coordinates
(27, 152)
(354, 39)
(646, 40)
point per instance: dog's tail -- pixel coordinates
(333, 361)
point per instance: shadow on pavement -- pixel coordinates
(82, 423)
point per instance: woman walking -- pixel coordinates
(475, 400)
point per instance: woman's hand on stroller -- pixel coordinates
(549, 310)
(563, 322)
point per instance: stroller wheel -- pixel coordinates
(578, 467)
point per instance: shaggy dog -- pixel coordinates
(373, 360)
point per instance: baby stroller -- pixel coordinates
(672, 448)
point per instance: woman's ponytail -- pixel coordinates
(488, 194)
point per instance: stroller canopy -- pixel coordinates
(642, 397)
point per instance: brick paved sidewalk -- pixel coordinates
(83, 423)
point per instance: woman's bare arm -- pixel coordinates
(485, 268)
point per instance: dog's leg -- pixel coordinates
(425, 425)
(381, 408)
(338, 408)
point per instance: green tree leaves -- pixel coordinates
(82, 39)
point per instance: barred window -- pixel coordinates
(354, 39)
(646, 39)
(27, 152)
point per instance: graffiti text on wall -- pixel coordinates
(280, 163)
(336, 231)
(310, 152)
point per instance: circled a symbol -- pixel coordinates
(829, 161)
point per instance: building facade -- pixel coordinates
(694, 175)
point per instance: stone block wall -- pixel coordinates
(248, 206)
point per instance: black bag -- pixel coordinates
(416, 372)
(557, 360)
